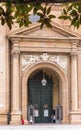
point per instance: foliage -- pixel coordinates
(72, 12)
(45, 16)
(20, 13)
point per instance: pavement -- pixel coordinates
(41, 127)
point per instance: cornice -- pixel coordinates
(26, 38)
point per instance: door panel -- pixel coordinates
(41, 98)
(47, 102)
(34, 99)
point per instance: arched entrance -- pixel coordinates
(63, 83)
(43, 97)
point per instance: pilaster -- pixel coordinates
(15, 106)
(74, 96)
(75, 113)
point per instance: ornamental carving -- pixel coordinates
(15, 51)
(27, 60)
(73, 53)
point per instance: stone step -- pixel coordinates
(41, 127)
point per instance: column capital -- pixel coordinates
(74, 42)
(74, 47)
(15, 52)
(15, 40)
(73, 54)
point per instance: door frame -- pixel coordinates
(63, 82)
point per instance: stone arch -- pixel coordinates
(64, 85)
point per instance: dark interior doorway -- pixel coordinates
(41, 97)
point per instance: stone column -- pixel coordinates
(74, 93)
(15, 104)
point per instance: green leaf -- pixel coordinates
(1, 10)
(49, 25)
(69, 8)
(40, 14)
(73, 13)
(51, 16)
(9, 25)
(80, 19)
(3, 21)
(20, 24)
(79, 9)
(64, 11)
(64, 17)
(73, 21)
(41, 26)
(41, 8)
(78, 24)
(36, 7)
(40, 20)
(44, 10)
(48, 10)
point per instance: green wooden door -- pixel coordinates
(41, 98)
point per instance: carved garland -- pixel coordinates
(27, 60)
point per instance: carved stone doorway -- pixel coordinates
(63, 83)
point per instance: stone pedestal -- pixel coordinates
(75, 117)
(15, 117)
(3, 119)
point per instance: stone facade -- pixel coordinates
(26, 50)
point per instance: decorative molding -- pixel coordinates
(73, 54)
(75, 42)
(15, 52)
(27, 60)
(15, 40)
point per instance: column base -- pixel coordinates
(3, 119)
(75, 117)
(65, 121)
(15, 118)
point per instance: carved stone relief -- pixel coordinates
(27, 60)
(15, 51)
